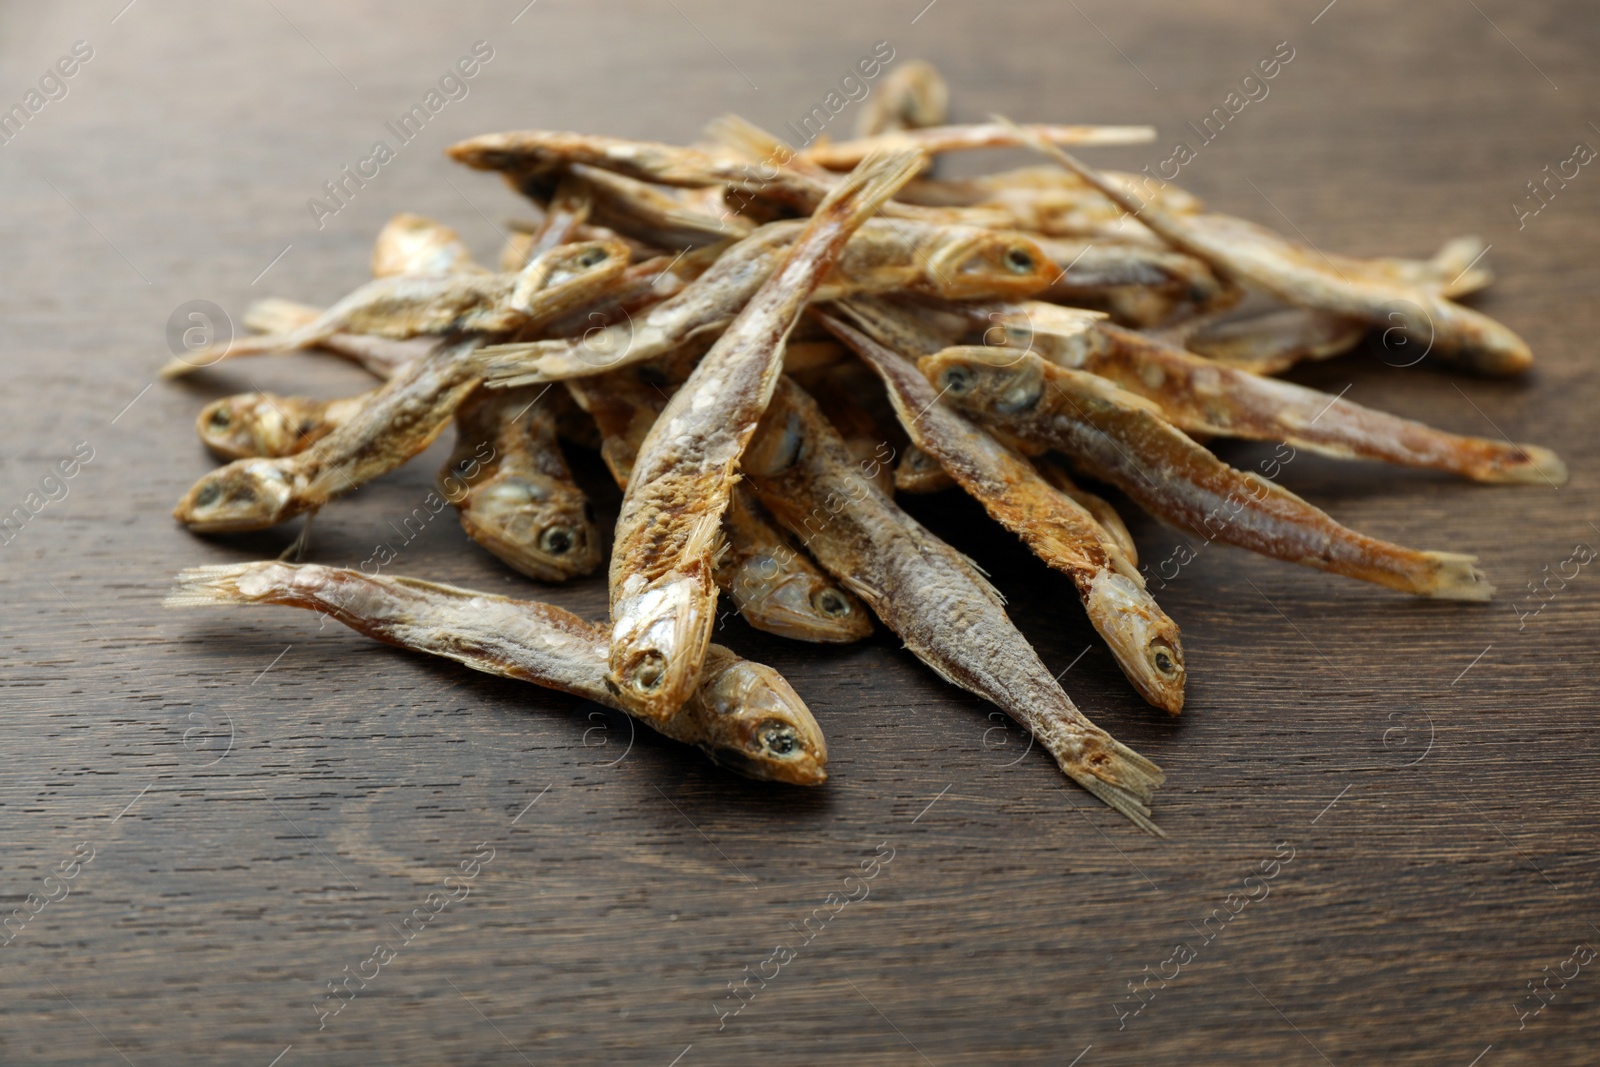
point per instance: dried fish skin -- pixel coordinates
(1123, 439)
(745, 716)
(663, 592)
(930, 595)
(513, 490)
(1106, 515)
(1274, 341)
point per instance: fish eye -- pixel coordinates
(1161, 657)
(779, 739)
(650, 672)
(208, 496)
(591, 257)
(221, 418)
(558, 540)
(831, 603)
(959, 380)
(1018, 260)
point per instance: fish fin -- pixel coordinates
(1543, 466)
(1128, 781)
(510, 365)
(1455, 578)
(200, 586)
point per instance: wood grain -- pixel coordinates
(266, 801)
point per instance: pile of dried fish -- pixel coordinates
(766, 346)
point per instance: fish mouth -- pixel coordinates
(804, 771)
(534, 529)
(243, 496)
(658, 641)
(1141, 637)
(802, 609)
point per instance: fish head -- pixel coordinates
(659, 634)
(248, 494)
(968, 261)
(1141, 636)
(754, 723)
(246, 425)
(569, 275)
(542, 526)
(1008, 381)
(799, 604)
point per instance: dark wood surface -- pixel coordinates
(266, 801)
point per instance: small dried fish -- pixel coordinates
(775, 586)
(1057, 529)
(918, 473)
(884, 255)
(1251, 254)
(663, 595)
(378, 356)
(415, 244)
(654, 215)
(912, 96)
(1200, 397)
(410, 305)
(743, 715)
(933, 597)
(513, 489)
(1123, 439)
(397, 421)
(843, 155)
(266, 424)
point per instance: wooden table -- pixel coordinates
(265, 801)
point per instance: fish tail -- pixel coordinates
(1452, 576)
(867, 188)
(510, 365)
(1539, 466)
(200, 586)
(1120, 777)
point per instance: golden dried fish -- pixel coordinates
(930, 595)
(1200, 397)
(1058, 530)
(775, 586)
(266, 424)
(415, 244)
(1250, 254)
(654, 215)
(843, 155)
(513, 489)
(912, 96)
(379, 356)
(743, 715)
(568, 209)
(397, 421)
(1139, 285)
(1123, 439)
(918, 473)
(663, 595)
(411, 305)
(884, 255)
